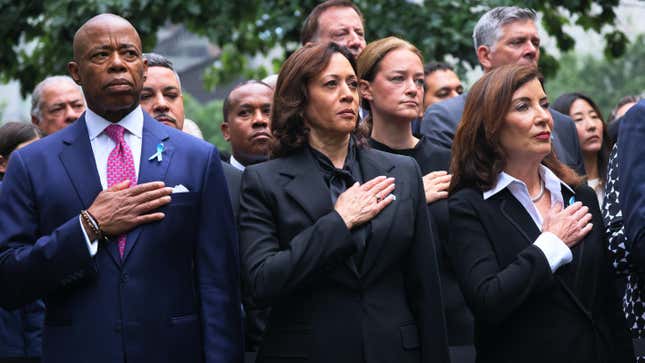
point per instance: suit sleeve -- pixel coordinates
(439, 125)
(32, 265)
(492, 291)
(33, 318)
(632, 180)
(570, 143)
(273, 270)
(217, 268)
(423, 286)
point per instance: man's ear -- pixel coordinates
(35, 120)
(72, 68)
(225, 132)
(145, 69)
(484, 57)
(3, 164)
(365, 90)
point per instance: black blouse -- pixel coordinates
(338, 181)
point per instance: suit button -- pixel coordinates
(124, 278)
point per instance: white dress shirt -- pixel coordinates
(556, 252)
(102, 145)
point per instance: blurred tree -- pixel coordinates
(209, 118)
(37, 35)
(605, 81)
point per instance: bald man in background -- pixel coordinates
(56, 102)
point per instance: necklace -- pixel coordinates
(539, 194)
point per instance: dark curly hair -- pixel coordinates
(291, 97)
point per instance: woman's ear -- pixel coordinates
(365, 90)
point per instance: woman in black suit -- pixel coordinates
(527, 239)
(335, 236)
(391, 86)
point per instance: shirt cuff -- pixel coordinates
(556, 252)
(92, 246)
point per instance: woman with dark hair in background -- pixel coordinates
(335, 236)
(13, 136)
(391, 85)
(20, 329)
(527, 239)
(592, 134)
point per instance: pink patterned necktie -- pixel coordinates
(120, 166)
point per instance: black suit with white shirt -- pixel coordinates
(523, 311)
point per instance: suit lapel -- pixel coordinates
(382, 223)
(569, 276)
(150, 170)
(515, 213)
(79, 163)
(582, 272)
(309, 190)
(306, 187)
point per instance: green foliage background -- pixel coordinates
(37, 35)
(209, 118)
(605, 81)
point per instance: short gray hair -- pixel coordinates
(158, 60)
(489, 27)
(36, 101)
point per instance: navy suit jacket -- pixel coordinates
(440, 124)
(631, 153)
(174, 296)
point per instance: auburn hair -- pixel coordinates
(477, 155)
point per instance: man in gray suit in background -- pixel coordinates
(504, 35)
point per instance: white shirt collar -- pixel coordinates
(133, 122)
(236, 163)
(551, 182)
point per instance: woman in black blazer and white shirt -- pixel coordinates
(335, 236)
(527, 239)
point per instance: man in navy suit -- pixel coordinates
(122, 224)
(504, 35)
(631, 156)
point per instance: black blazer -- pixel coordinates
(233, 181)
(296, 254)
(459, 320)
(523, 312)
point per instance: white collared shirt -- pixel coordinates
(102, 145)
(236, 164)
(556, 252)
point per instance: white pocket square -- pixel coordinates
(179, 189)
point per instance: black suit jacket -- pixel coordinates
(297, 256)
(440, 124)
(233, 182)
(524, 312)
(459, 320)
